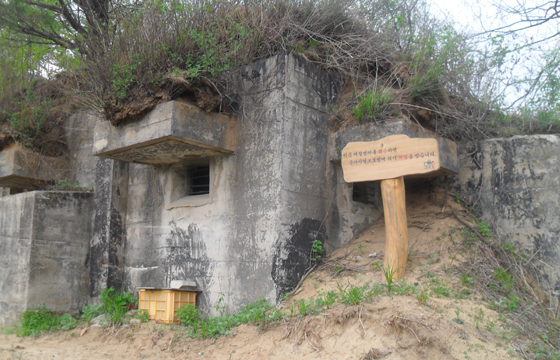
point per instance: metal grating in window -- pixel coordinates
(199, 180)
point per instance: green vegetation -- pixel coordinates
(467, 280)
(478, 317)
(115, 305)
(423, 297)
(504, 278)
(316, 251)
(374, 105)
(89, 312)
(360, 249)
(35, 322)
(484, 229)
(328, 298)
(397, 59)
(440, 288)
(259, 312)
(352, 295)
(66, 185)
(388, 274)
(404, 288)
(457, 319)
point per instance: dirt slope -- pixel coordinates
(399, 326)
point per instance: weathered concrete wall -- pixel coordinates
(79, 130)
(44, 243)
(515, 184)
(16, 218)
(251, 236)
(108, 238)
(304, 108)
(61, 230)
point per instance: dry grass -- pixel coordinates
(168, 49)
(394, 59)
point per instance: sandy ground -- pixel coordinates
(391, 327)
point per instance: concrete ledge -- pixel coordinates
(371, 132)
(23, 168)
(172, 132)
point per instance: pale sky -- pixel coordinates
(470, 15)
(477, 16)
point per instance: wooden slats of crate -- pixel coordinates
(161, 304)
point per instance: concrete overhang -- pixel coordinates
(172, 132)
(449, 158)
(26, 169)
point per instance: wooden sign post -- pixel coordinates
(389, 160)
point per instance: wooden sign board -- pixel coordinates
(388, 158)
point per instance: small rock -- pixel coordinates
(359, 258)
(376, 354)
(131, 313)
(135, 322)
(373, 255)
(373, 231)
(96, 321)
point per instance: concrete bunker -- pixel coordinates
(230, 204)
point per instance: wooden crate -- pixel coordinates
(161, 304)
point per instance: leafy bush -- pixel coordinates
(115, 305)
(316, 250)
(258, 312)
(188, 314)
(90, 311)
(39, 321)
(67, 322)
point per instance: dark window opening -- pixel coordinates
(189, 180)
(365, 192)
(198, 178)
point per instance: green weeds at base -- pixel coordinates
(388, 274)
(89, 312)
(34, 322)
(352, 295)
(258, 312)
(316, 251)
(423, 297)
(115, 305)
